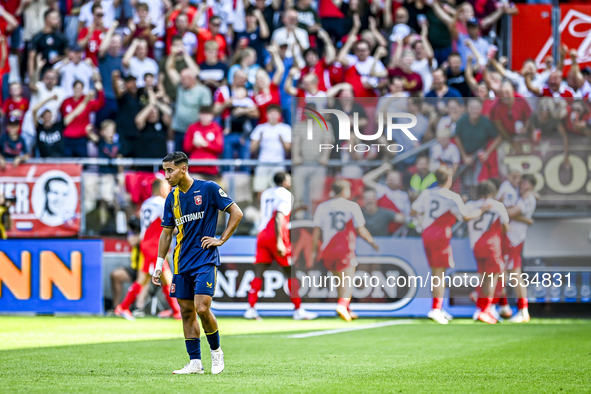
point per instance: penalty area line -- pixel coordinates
(348, 329)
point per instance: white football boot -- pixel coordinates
(437, 316)
(447, 315)
(252, 314)
(217, 361)
(522, 316)
(302, 314)
(194, 366)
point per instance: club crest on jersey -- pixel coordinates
(198, 200)
(172, 288)
(209, 284)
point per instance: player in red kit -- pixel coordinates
(151, 217)
(438, 209)
(273, 243)
(338, 222)
(486, 233)
(521, 218)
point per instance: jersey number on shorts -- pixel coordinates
(337, 221)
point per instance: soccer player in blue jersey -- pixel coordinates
(192, 208)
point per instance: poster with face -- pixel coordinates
(47, 199)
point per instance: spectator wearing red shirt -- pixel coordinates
(321, 67)
(266, 91)
(181, 29)
(361, 68)
(578, 119)
(16, 105)
(7, 25)
(400, 66)
(212, 33)
(553, 88)
(182, 7)
(204, 140)
(76, 111)
(90, 37)
(143, 29)
(510, 114)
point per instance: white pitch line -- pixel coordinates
(355, 328)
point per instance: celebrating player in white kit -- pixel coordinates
(521, 218)
(274, 243)
(337, 222)
(485, 239)
(438, 209)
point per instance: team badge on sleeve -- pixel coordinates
(222, 193)
(198, 200)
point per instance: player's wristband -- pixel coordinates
(159, 264)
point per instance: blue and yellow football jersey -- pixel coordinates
(195, 214)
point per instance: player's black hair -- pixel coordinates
(134, 224)
(214, 17)
(176, 38)
(442, 174)
(76, 82)
(486, 189)
(279, 177)
(178, 158)
(368, 189)
(340, 185)
(529, 178)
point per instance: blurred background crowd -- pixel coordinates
(223, 79)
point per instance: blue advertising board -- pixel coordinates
(51, 276)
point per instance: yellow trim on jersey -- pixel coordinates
(215, 276)
(179, 237)
(228, 206)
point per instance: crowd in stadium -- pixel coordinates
(220, 79)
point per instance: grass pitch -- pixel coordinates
(67, 354)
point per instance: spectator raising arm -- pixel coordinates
(427, 48)
(40, 105)
(35, 77)
(11, 21)
(3, 52)
(370, 179)
(173, 75)
(106, 42)
(342, 57)
(77, 111)
(330, 53)
(469, 75)
(448, 20)
(528, 83)
(130, 53)
(263, 27)
(289, 88)
(575, 70)
(381, 41)
(381, 52)
(278, 63)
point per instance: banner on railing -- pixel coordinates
(51, 276)
(575, 26)
(559, 181)
(44, 199)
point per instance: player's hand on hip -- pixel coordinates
(208, 242)
(156, 278)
